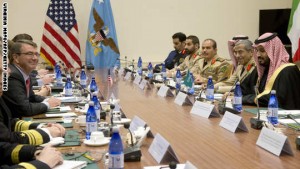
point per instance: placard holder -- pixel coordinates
(233, 122)
(165, 91)
(182, 99)
(137, 79)
(144, 84)
(204, 109)
(138, 122)
(274, 142)
(161, 150)
(128, 76)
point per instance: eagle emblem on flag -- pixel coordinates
(100, 36)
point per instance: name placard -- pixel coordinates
(143, 84)
(137, 79)
(204, 109)
(180, 98)
(165, 91)
(128, 75)
(233, 122)
(273, 142)
(161, 150)
(136, 122)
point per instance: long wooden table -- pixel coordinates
(199, 140)
(196, 139)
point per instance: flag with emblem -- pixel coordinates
(294, 30)
(60, 36)
(102, 49)
(188, 81)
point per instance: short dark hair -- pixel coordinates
(22, 36)
(213, 41)
(194, 39)
(181, 36)
(16, 47)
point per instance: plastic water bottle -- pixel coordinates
(59, 78)
(56, 67)
(83, 79)
(91, 120)
(163, 71)
(178, 80)
(68, 86)
(210, 89)
(116, 154)
(237, 99)
(93, 85)
(272, 113)
(150, 70)
(139, 66)
(97, 106)
(191, 90)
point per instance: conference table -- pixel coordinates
(193, 138)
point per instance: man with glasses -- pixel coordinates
(20, 97)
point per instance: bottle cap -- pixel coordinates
(210, 77)
(238, 83)
(115, 129)
(273, 91)
(91, 103)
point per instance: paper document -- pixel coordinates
(71, 165)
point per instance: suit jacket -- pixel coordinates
(18, 131)
(16, 97)
(15, 153)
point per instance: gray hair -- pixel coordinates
(247, 43)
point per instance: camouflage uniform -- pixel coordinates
(188, 64)
(217, 67)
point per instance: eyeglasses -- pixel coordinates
(31, 54)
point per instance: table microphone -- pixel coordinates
(133, 152)
(290, 116)
(172, 165)
(222, 105)
(256, 123)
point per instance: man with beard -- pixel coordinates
(245, 72)
(211, 64)
(191, 48)
(276, 73)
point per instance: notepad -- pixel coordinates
(67, 164)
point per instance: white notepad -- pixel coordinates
(68, 164)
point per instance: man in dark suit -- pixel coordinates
(20, 97)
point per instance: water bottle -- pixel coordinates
(59, 78)
(178, 80)
(272, 113)
(191, 90)
(139, 65)
(97, 105)
(91, 120)
(237, 99)
(83, 79)
(56, 67)
(210, 89)
(93, 85)
(68, 87)
(150, 70)
(163, 71)
(115, 150)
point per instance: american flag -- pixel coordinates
(109, 78)
(60, 37)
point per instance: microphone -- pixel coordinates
(131, 153)
(256, 123)
(172, 165)
(112, 107)
(290, 116)
(222, 105)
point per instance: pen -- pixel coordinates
(88, 157)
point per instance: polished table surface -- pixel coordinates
(193, 138)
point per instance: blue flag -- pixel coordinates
(102, 49)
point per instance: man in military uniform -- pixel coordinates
(211, 64)
(245, 72)
(191, 48)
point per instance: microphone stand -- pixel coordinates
(131, 153)
(256, 123)
(222, 105)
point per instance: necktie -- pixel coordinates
(243, 69)
(27, 87)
